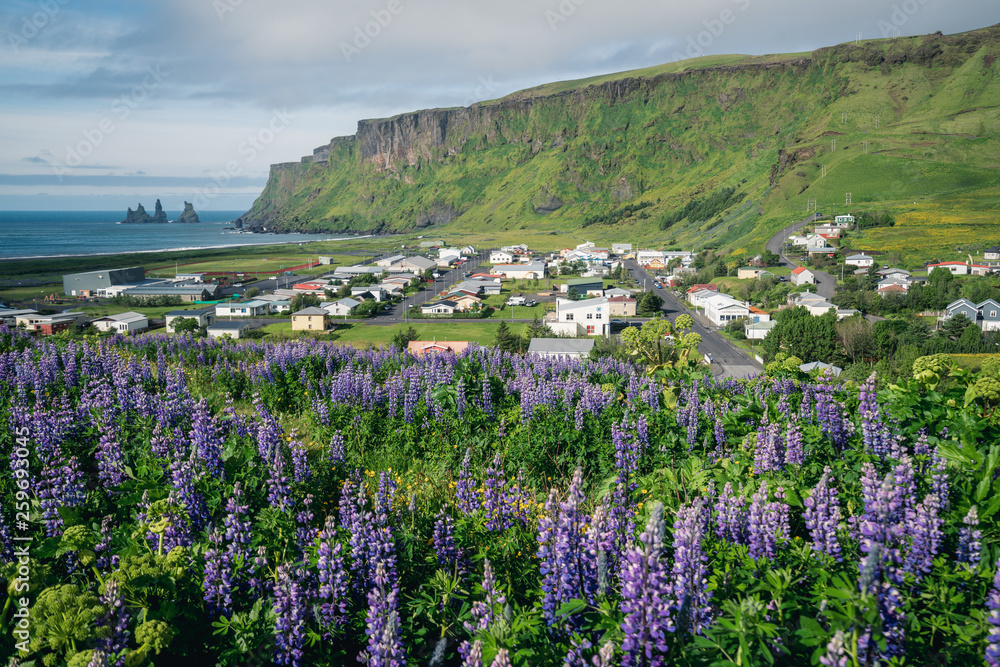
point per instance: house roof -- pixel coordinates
(861, 256)
(948, 264)
(621, 299)
(567, 346)
(312, 310)
(191, 313)
(129, 316)
(442, 302)
(819, 365)
(706, 286)
(799, 270)
(420, 347)
(227, 325)
(893, 287)
(348, 302)
(757, 311)
(766, 325)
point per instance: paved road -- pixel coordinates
(826, 284)
(727, 359)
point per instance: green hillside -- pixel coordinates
(722, 150)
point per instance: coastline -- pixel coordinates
(180, 249)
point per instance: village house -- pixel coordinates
(234, 329)
(746, 272)
(390, 260)
(590, 316)
(861, 260)
(803, 276)
(721, 309)
(122, 322)
(188, 293)
(644, 257)
(340, 307)
(204, 316)
(442, 307)
(697, 297)
(843, 220)
(501, 257)
(956, 268)
(521, 271)
(828, 231)
(569, 348)
(419, 348)
(583, 287)
(621, 306)
(758, 330)
(311, 319)
(992, 253)
(986, 315)
(254, 308)
(621, 248)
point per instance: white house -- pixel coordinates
(571, 348)
(255, 308)
(590, 315)
(956, 268)
(233, 329)
(443, 307)
(698, 298)
(501, 257)
(803, 276)
(205, 316)
(418, 264)
(758, 330)
(340, 307)
(621, 248)
(722, 309)
(368, 292)
(843, 220)
(521, 271)
(828, 231)
(861, 260)
(122, 322)
(645, 257)
(992, 253)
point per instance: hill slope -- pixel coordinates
(745, 139)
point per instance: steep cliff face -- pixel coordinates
(567, 155)
(140, 217)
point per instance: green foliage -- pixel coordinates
(800, 334)
(619, 214)
(869, 219)
(63, 619)
(703, 209)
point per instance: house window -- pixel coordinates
(993, 313)
(598, 316)
(590, 316)
(569, 317)
(590, 328)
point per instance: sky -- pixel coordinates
(104, 104)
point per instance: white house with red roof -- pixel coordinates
(956, 268)
(803, 276)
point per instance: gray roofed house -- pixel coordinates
(989, 311)
(205, 316)
(963, 306)
(573, 348)
(820, 366)
(340, 307)
(233, 328)
(188, 293)
(419, 263)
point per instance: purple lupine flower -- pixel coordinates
(939, 483)
(731, 516)
(993, 618)
(448, 553)
(291, 610)
(385, 643)
(466, 487)
(114, 621)
(484, 612)
(822, 517)
(880, 574)
(6, 541)
(769, 455)
(497, 516)
(304, 532)
(333, 588)
(969, 536)
(578, 646)
(205, 439)
(690, 574)
(567, 570)
(473, 653)
(279, 492)
(645, 590)
(300, 460)
(237, 524)
(502, 659)
(767, 522)
(336, 453)
(923, 527)
(794, 454)
(217, 582)
(836, 651)
(602, 547)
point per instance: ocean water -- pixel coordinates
(74, 233)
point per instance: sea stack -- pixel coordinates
(140, 217)
(189, 214)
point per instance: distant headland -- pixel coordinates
(140, 217)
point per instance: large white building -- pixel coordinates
(591, 317)
(122, 322)
(521, 271)
(722, 309)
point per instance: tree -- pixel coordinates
(649, 305)
(956, 325)
(506, 341)
(251, 293)
(184, 325)
(856, 337)
(770, 258)
(367, 308)
(537, 329)
(802, 335)
(971, 340)
(403, 337)
(300, 301)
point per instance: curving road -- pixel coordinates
(826, 284)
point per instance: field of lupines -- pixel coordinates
(178, 499)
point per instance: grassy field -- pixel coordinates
(363, 335)
(972, 362)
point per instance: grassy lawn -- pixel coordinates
(151, 312)
(29, 293)
(363, 335)
(971, 362)
(264, 266)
